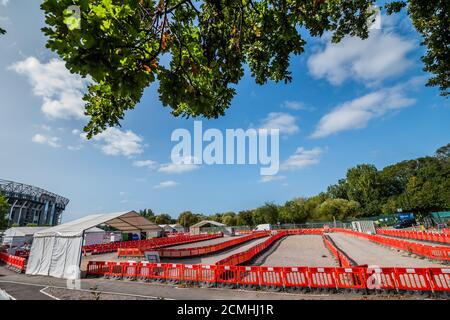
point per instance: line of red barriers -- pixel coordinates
(14, 263)
(164, 242)
(196, 251)
(146, 244)
(430, 251)
(422, 280)
(244, 256)
(417, 235)
(338, 254)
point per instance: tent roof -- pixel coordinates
(127, 221)
(23, 231)
(205, 222)
(94, 230)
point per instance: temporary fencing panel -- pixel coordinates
(440, 279)
(296, 277)
(226, 274)
(206, 274)
(190, 273)
(321, 277)
(350, 278)
(248, 276)
(271, 276)
(381, 279)
(412, 279)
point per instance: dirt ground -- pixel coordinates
(299, 250)
(212, 259)
(365, 252)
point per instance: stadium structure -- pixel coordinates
(32, 205)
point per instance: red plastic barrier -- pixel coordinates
(350, 278)
(440, 237)
(440, 279)
(414, 279)
(296, 277)
(271, 276)
(147, 244)
(115, 270)
(226, 275)
(430, 251)
(381, 279)
(206, 273)
(321, 277)
(14, 263)
(354, 278)
(195, 251)
(248, 276)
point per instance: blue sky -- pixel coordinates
(355, 102)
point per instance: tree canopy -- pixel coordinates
(4, 207)
(197, 50)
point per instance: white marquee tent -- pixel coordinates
(18, 236)
(56, 251)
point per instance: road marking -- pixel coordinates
(7, 294)
(48, 294)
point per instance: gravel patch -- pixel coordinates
(365, 252)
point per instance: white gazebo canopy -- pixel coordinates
(56, 251)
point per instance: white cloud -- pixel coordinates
(356, 114)
(118, 142)
(48, 140)
(74, 148)
(302, 158)
(383, 55)
(60, 90)
(4, 2)
(282, 121)
(185, 164)
(75, 132)
(166, 184)
(265, 179)
(294, 105)
(145, 163)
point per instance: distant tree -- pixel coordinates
(4, 208)
(339, 209)
(148, 213)
(229, 218)
(268, 213)
(443, 153)
(294, 211)
(245, 218)
(187, 219)
(365, 187)
(163, 218)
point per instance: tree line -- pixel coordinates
(419, 185)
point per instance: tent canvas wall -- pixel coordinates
(56, 251)
(19, 236)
